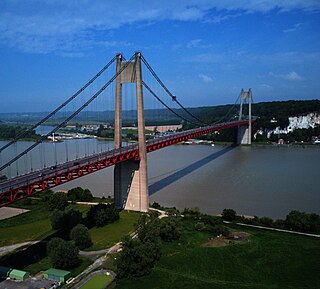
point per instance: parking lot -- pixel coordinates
(27, 284)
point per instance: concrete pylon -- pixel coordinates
(131, 177)
(245, 131)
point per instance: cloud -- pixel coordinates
(205, 78)
(266, 86)
(44, 26)
(296, 27)
(197, 43)
(292, 76)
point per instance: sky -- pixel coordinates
(205, 51)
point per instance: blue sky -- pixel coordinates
(204, 50)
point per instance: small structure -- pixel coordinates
(18, 275)
(4, 272)
(57, 275)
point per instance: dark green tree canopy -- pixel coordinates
(81, 236)
(79, 194)
(101, 214)
(229, 215)
(63, 255)
(58, 201)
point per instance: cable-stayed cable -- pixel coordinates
(22, 134)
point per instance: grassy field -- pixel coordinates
(29, 226)
(268, 260)
(106, 236)
(97, 282)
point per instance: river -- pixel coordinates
(258, 180)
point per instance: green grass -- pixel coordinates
(107, 236)
(268, 260)
(97, 282)
(42, 265)
(26, 232)
(29, 226)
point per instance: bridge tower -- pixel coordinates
(131, 177)
(244, 131)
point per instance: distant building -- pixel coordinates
(57, 275)
(280, 141)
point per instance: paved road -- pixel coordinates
(7, 249)
(275, 229)
(100, 272)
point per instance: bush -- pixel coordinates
(168, 230)
(200, 226)
(218, 230)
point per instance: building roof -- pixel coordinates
(57, 272)
(18, 273)
(4, 271)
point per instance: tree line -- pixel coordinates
(294, 221)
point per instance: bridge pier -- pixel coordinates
(128, 184)
(244, 135)
(131, 177)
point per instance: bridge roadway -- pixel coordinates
(31, 183)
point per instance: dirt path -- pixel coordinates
(275, 229)
(7, 249)
(8, 212)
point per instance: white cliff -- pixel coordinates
(298, 122)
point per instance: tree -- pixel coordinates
(168, 230)
(229, 215)
(57, 219)
(137, 257)
(79, 194)
(81, 236)
(3, 178)
(65, 220)
(58, 201)
(303, 222)
(63, 255)
(101, 214)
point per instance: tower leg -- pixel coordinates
(131, 177)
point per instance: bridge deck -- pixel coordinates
(29, 184)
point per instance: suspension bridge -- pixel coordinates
(129, 159)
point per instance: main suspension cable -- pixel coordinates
(70, 117)
(174, 98)
(169, 108)
(24, 133)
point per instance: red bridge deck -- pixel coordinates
(29, 184)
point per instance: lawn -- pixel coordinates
(97, 282)
(29, 226)
(108, 235)
(268, 260)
